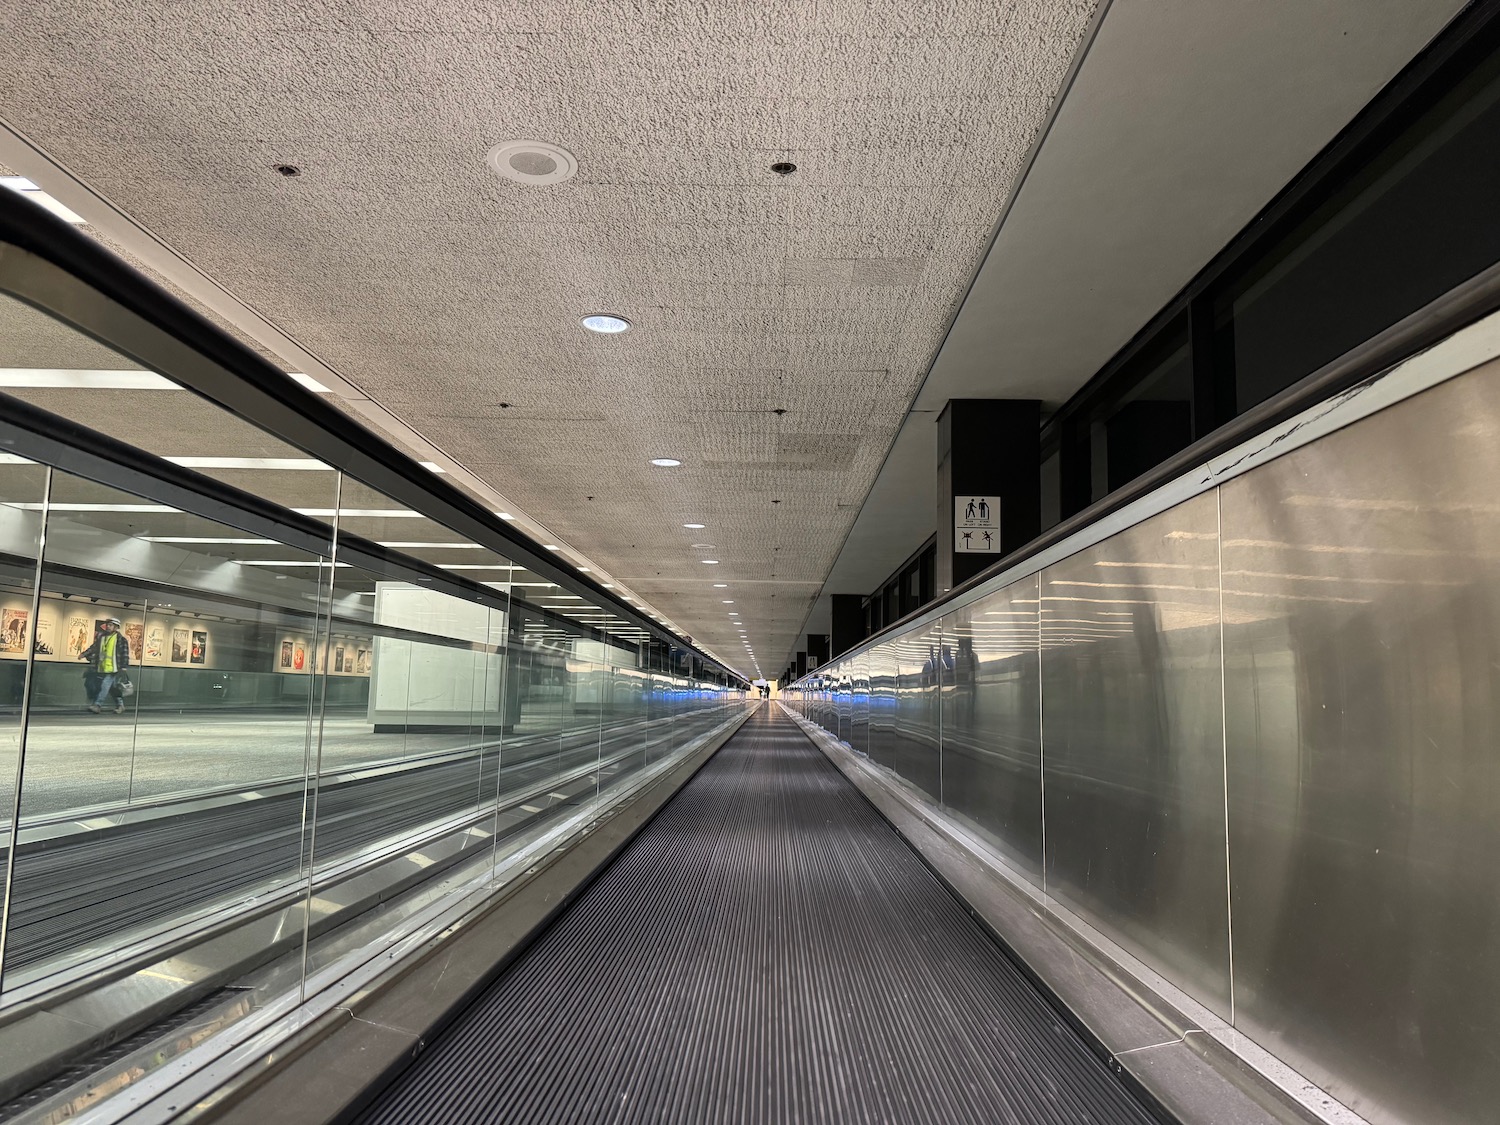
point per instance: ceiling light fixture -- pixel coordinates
(606, 324)
(710, 562)
(22, 186)
(552, 547)
(506, 516)
(665, 462)
(728, 601)
(532, 162)
(694, 526)
(721, 585)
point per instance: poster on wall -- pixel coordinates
(135, 633)
(45, 644)
(99, 624)
(179, 646)
(299, 658)
(338, 659)
(155, 640)
(362, 662)
(200, 647)
(78, 635)
(286, 654)
(13, 629)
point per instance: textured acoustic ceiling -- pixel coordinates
(442, 291)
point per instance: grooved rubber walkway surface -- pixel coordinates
(766, 950)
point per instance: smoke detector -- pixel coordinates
(532, 162)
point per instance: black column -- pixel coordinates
(817, 650)
(801, 664)
(848, 622)
(989, 452)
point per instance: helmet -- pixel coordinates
(114, 621)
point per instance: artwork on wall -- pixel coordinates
(338, 659)
(179, 646)
(135, 634)
(362, 662)
(155, 640)
(99, 624)
(299, 657)
(200, 647)
(78, 635)
(286, 654)
(14, 629)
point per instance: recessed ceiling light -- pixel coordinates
(583, 570)
(605, 324)
(710, 562)
(665, 462)
(694, 526)
(609, 585)
(552, 546)
(728, 601)
(721, 585)
(703, 546)
(505, 516)
(532, 162)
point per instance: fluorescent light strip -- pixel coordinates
(434, 546)
(77, 379)
(206, 540)
(24, 187)
(289, 464)
(372, 513)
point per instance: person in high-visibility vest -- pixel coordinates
(110, 656)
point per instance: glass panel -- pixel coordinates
(883, 705)
(22, 491)
(163, 692)
(992, 755)
(1133, 725)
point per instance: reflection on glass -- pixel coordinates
(162, 682)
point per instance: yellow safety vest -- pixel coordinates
(107, 652)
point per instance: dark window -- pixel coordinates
(1417, 218)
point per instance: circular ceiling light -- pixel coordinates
(605, 324)
(532, 162)
(665, 462)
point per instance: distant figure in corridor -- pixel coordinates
(110, 656)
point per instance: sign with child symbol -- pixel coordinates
(976, 525)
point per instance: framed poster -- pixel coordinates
(179, 646)
(154, 642)
(299, 657)
(14, 629)
(362, 662)
(199, 654)
(78, 635)
(286, 654)
(135, 634)
(338, 659)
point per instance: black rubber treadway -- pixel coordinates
(766, 950)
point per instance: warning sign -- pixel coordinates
(976, 525)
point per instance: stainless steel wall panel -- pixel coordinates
(915, 746)
(992, 763)
(1362, 645)
(1133, 741)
